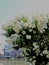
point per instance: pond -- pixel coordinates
(14, 62)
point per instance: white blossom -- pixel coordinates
(41, 21)
(41, 54)
(34, 57)
(34, 44)
(41, 31)
(41, 43)
(25, 25)
(33, 48)
(30, 30)
(47, 55)
(37, 50)
(36, 47)
(30, 25)
(45, 52)
(14, 36)
(28, 36)
(23, 32)
(17, 28)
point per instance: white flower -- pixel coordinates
(14, 36)
(41, 21)
(34, 61)
(39, 25)
(34, 44)
(36, 47)
(47, 56)
(23, 32)
(45, 52)
(41, 31)
(30, 24)
(25, 25)
(28, 36)
(17, 28)
(30, 59)
(34, 57)
(30, 30)
(41, 43)
(33, 48)
(37, 50)
(41, 54)
(47, 63)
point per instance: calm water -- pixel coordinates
(14, 62)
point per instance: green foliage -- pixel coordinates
(10, 31)
(25, 19)
(33, 40)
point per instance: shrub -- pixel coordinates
(32, 37)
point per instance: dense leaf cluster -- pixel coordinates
(35, 43)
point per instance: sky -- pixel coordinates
(9, 9)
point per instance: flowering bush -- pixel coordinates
(32, 37)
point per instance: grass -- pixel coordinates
(14, 62)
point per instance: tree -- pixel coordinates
(32, 37)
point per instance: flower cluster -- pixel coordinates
(32, 37)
